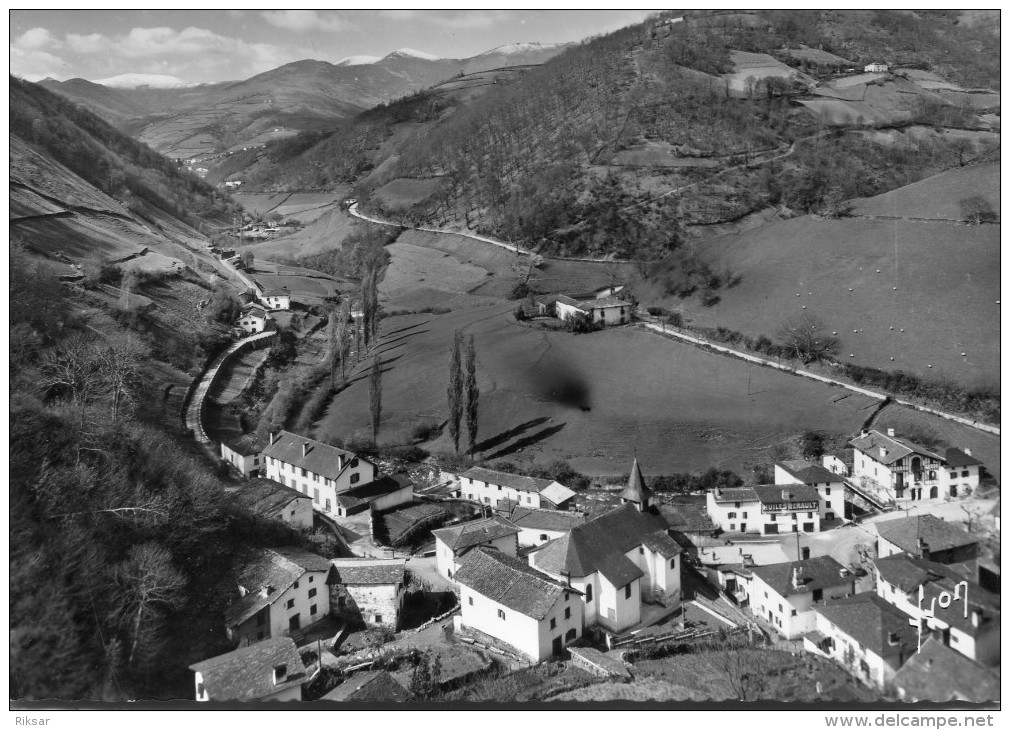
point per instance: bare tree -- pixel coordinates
(741, 665)
(806, 338)
(472, 394)
(343, 336)
(119, 361)
(74, 367)
(977, 210)
(150, 585)
(455, 389)
(375, 396)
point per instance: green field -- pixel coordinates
(937, 197)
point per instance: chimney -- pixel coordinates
(892, 638)
(864, 433)
(923, 548)
(966, 450)
(718, 491)
(271, 438)
(786, 494)
(797, 572)
(883, 451)
(890, 432)
(305, 449)
(280, 673)
(567, 576)
(976, 617)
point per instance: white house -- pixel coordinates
(384, 493)
(537, 526)
(280, 591)
(368, 591)
(829, 485)
(926, 536)
(869, 637)
(253, 318)
(937, 673)
(783, 594)
(616, 561)
(491, 487)
(276, 298)
(766, 509)
(961, 472)
(315, 468)
(452, 543)
(242, 454)
(505, 598)
(969, 624)
(899, 468)
(270, 670)
(841, 462)
(603, 310)
(274, 501)
(875, 68)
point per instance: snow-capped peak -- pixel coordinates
(134, 81)
(511, 49)
(411, 53)
(357, 60)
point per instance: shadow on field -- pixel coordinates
(364, 374)
(504, 436)
(401, 337)
(408, 327)
(527, 441)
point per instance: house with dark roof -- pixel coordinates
(243, 454)
(274, 501)
(316, 469)
(868, 636)
(280, 592)
(766, 509)
(961, 472)
(253, 318)
(368, 591)
(829, 485)
(607, 311)
(276, 298)
(537, 526)
(505, 598)
(385, 493)
(616, 561)
(926, 536)
(784, 594)
(452, 543)
(840, 462)
(899, 467)
(967, 619)
(488, 486)
(269, 670)
(937, 673)
(375, 686)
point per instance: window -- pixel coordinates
(771, 518)
(953, 475)
(780, 608)
(964, 473)
(283, 481)
(529, 500)
(471, 600)
(312, 592)
(501, 614)
(566, 595)
(290, 603)
(731, 515)
(355, 478)
(641, 550)
(292, 513)
(543, 537)
(342, 601)
(589, 593)
(744, 515)
(737, 505)
(312, 610)
(827, 490)
(810, 515)
(732, 527)
(673, 562)
(568, 613)
(829, 515)
(554, 623)
(315, 477)
(296, 585)
(793, 612)
(315, 496)
(311, 578)
(499, 487)
(818, 594)
(304, 473)
(627, 591)
(354, 462)
(378, 618)
(328, 507)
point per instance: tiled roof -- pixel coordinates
(246, 445)
(786, 493)
(618, 569)
(957, 458)
(807, 472)
(247, 673)
(895, 446)
(635, 490)
(736, 494)
(321, 459)
(513, 481)
(510, 582)
(271, 572)
(557, 493)
(660, 542)
(937, 673)
(686, 517)
(546, 519)
(905, 533)
(280, 292)
(566, 300)
(814, 573)
(366, 571)
(267, 497)
(254, 309)
(477, 532)
(594, 545)
(847, 456)
(605, 302)
(873, 623)
(372, 491)
(908, 573)
(378, 686)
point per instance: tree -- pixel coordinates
(806, 339)
(119, 362)
(427, 676)
(978, 210)
(455, 389)
(741, 665)
(247, 260)
(150, 585)
(74, 367)
(375, 396)
(342, 336)
(472, 394)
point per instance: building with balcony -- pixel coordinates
(784, 594)
(770, 509)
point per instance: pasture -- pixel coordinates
(759, 66)
(938, 197)
(325, 233)
(404, 193)
(658, 154)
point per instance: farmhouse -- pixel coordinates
(875, 68)
(252, 319)
(898, 467)
(841, 462)
(276, 298)
(269, 670)
(936, 673)
(490, 487)
(537, 526)
(616, 561)
(452, 543)
(368, 591)
(281, 591)
(970, 624)
(784, 593)
(243, 454)
(274, 501)
(926, 536)
(376, 686)
(829, 485)
(961, 472)
(384, 493)
(865, 634)
(505, 598)
(604, 310)
(315, 469)
(766, 509)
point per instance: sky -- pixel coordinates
(223, 45)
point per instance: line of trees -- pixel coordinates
(462, 393)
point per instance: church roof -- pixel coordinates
(636, 491)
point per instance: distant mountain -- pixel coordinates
(153, 81)
(514, 54)
(357, 60)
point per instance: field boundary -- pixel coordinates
(662, 329)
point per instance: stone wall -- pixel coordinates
(362, 605)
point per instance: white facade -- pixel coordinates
(246, 464)
(751, 516)
(534, 638)
(959, 481)
(490, 493)
(276, 301)
(605, 311)
(530, 536)
(302, 604)
(322, 490)
(252, 322)
(447, 562)
(834, 464)
(791, 615)
(865, 665)
(831, 493)
(875, 68)
(288, 693)
(742, 515)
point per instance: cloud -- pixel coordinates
(301, 21)
(34, 65)
(36, 38)
(92, 43)
(453, 19)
